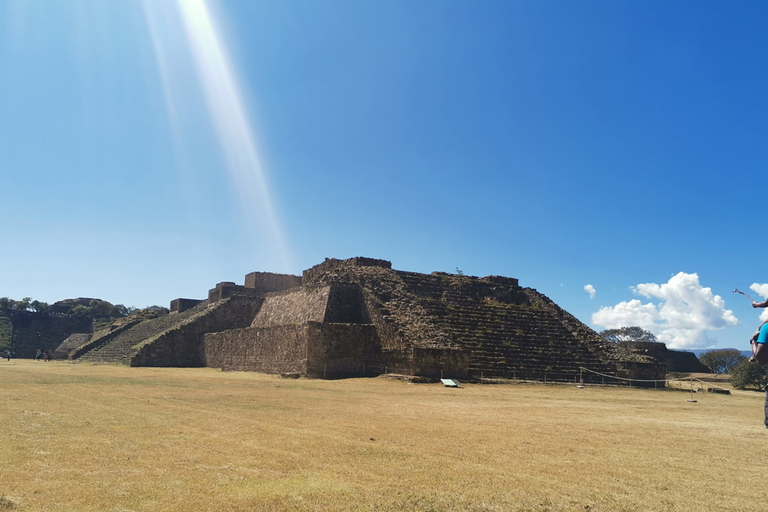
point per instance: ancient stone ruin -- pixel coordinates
(360, 317)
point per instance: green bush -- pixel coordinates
(749, 375)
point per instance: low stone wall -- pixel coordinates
(179, 305)
(676, 360)
(331, 264)
(228, 289)
(425, 362)
(269, 282)
(651, 373)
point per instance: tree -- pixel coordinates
(124, 310)
(749, 375)
(625, 334)
(723, 360)
(79, 310)
(40, 307)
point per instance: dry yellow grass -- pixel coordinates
(109, 438)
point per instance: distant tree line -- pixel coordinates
(25, 304)
(94, 307)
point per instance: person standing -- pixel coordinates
(760, 350)
(39, 354)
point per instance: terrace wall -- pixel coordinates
(269, 282)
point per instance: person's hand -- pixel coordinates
(754, 304)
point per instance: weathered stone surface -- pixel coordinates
(180, 305)
(269, 282)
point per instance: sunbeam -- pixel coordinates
(227, 112)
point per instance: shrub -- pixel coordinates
(749, 375)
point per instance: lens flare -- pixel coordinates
(226, 108)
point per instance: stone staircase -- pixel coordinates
(120, 348)
(510, 340)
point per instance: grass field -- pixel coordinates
(110, 438)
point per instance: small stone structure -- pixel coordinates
(179, 305)
(675, 360)
(361, 317)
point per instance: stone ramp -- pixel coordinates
(71, 344)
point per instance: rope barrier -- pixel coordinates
(688, 379)
(708, 384)
(621, 378)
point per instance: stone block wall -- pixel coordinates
(269, 282)
(229, 289)
(276, 349)
(179, 305)
(313, 349)
(341, 350)
(43, 330)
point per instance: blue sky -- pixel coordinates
(149, 150)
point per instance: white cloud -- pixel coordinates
(627, 314)
(762, 289)
(683, 313)
(590, 290)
